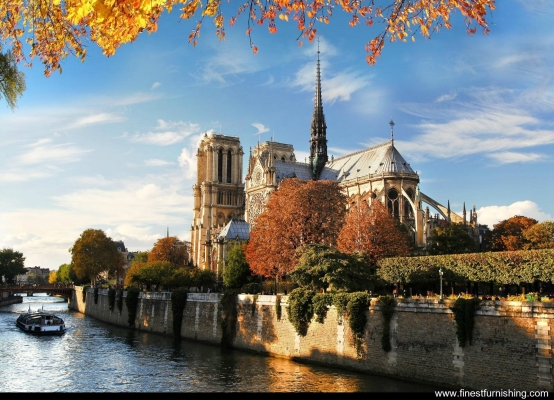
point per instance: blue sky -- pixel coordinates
(110, 143)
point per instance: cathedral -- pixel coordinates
(225, 206)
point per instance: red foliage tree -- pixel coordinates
(373, 232)
(299, 213)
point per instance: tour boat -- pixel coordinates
(41, 323)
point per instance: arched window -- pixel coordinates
(220, 165)
(229, 163)
(392, 203)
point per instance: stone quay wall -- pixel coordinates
(511, 348)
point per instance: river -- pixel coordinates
(93, 356)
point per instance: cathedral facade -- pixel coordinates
(378, 173)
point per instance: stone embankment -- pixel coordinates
(511, 347)
(7, 300)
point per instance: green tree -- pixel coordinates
(320, 267)
(203, 278)
(94, 253)
(66, 275)
(181, 278)
(12, 81)
(450, 239)
(237, 271)
(12, 263)
(151, 273)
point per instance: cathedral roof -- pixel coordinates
(383, 158)
(298, 170)
(235, 230)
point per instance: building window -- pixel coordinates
(229, 163)
(220, 165)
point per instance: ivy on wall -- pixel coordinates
(120, 300)
(300, 309)
(322, 302)
(131, 301)
(111, 298)
(84, 293)
(178, 303)
(254, 304)
(228, 303)
(387, 305)
(278, 307)
(464, 315)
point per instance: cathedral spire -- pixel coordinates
(318, 140)
(391, 123)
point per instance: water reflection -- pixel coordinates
(96, 357)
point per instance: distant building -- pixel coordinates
(127, 255)
(34, 275)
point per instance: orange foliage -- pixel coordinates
(372, 231)
(300, 212)
(508, 235)
(169, 249)
(55, 29)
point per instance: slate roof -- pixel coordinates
(235, 230)
(120, 246)
(383, 158)
(299, 170)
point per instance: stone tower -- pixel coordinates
(218, 194)
(318, 139)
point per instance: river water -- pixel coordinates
(93, 356)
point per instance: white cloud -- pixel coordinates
(446, 97)
(229, 62)
(260, 127)
(54, 229)
(488, 121)
(187, 158)
(490, 215)
(334, 86)
(154, 162)
(135, 98)
(509, 157)
(155, 85)
(177, 132)
(100, 118)
(17, 175)
(44, 152)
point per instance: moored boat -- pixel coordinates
(41, 323)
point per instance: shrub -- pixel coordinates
(251, 288)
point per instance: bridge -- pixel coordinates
(63, 291)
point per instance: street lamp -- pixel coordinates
(440, 274)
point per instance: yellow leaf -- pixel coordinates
(413, 39)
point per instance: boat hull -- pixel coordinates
(41, 324)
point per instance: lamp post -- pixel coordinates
(440, 274)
